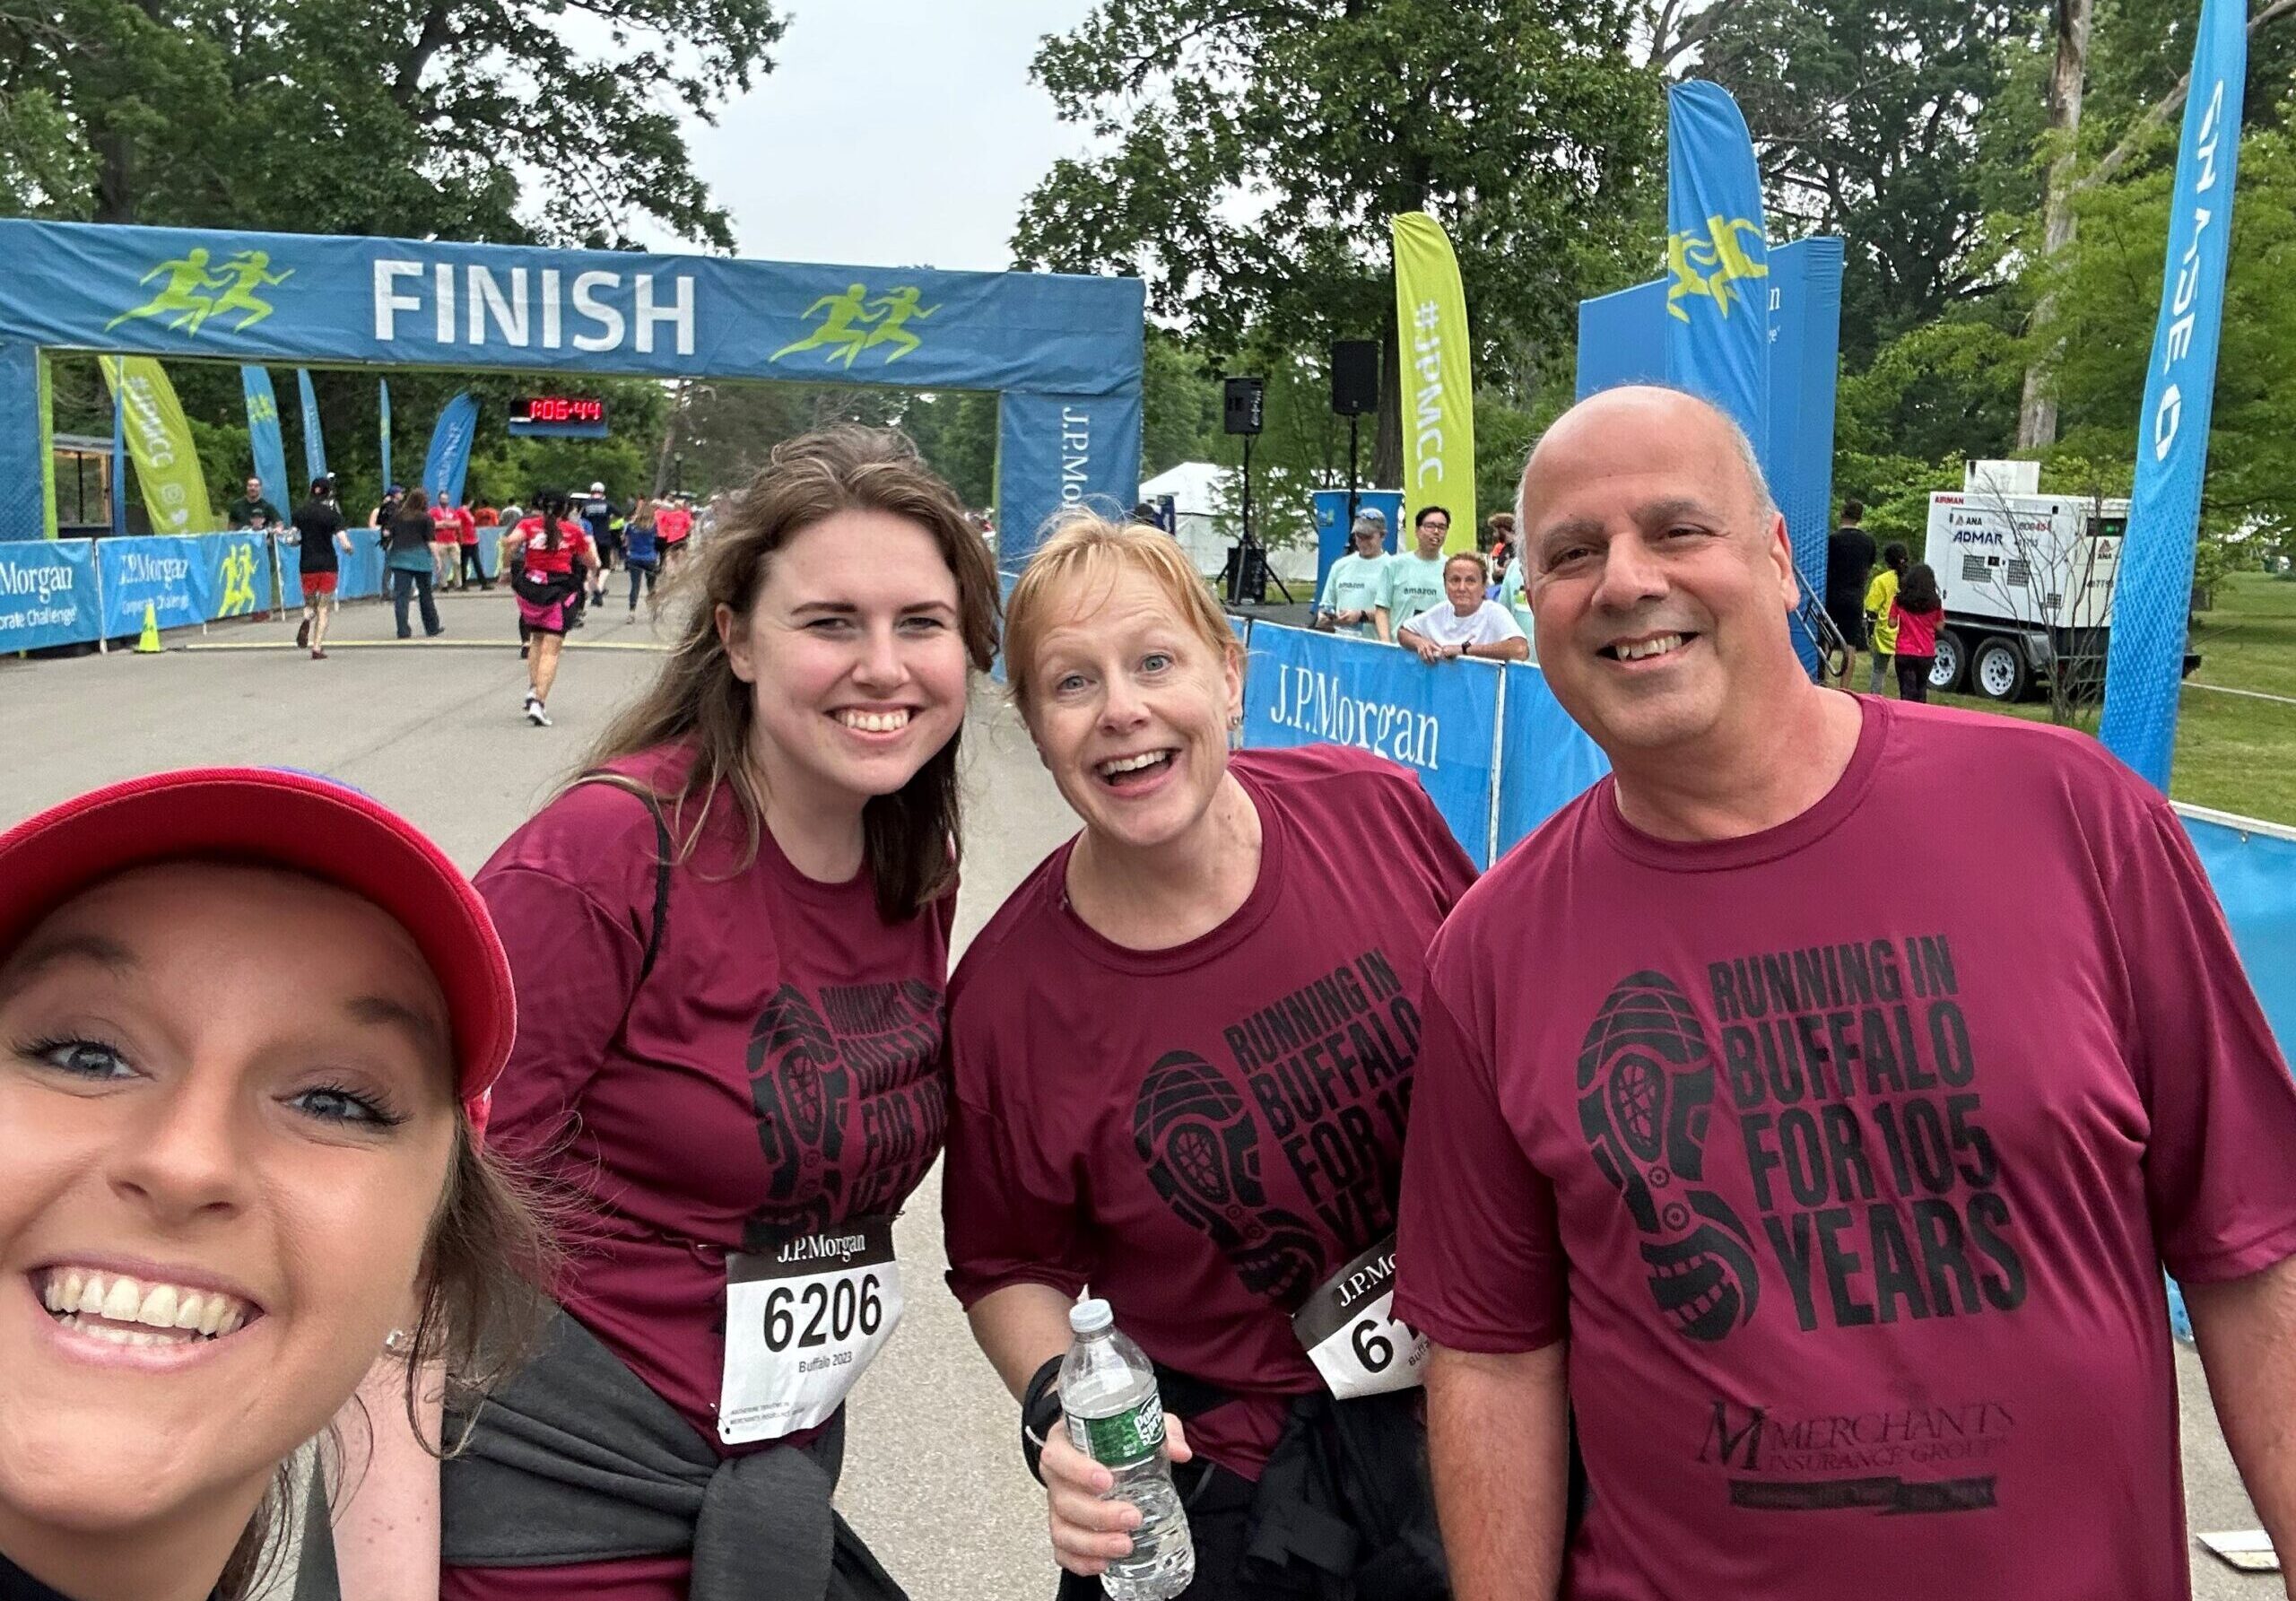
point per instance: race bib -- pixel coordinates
(1351, 1333)
(803, 1319)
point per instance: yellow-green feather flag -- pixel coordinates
(1438, 379)
(159, 440)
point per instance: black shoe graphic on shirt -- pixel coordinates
(1646, 1077)
(798, 1084)
(1196, 1132)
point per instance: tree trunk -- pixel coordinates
(2036, 416)
(669, 436)
(1387, 438)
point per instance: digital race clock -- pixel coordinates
(578, 416)
(559, 408)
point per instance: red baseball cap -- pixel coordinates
(286, 819)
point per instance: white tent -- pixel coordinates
(1207, 500)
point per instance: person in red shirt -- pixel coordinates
(252, 1019)
(731, 944)
(465, 524)
(1183, 1054)
(551, 557)
(1837, 1227)
(1917, 611)
(672, 525)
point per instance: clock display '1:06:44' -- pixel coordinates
(559, 408)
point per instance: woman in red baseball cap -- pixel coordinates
(249, 1023)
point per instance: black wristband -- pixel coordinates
(1039, 1415)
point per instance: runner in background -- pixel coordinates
(599, 518)
(672, 524)
(466, 569)
(1183, 1053)
(321, 543)
(643, 556)
(485, 524)
(443, 554)
(730, 947)
(411, 561)
(252, 1019)
(554, 560)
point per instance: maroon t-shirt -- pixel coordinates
(1848, 1156)
(778, 1069)
(1206, 1133)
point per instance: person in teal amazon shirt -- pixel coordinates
(1350, 597)
(1413, 580)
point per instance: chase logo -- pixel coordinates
(194, 291)
(852, 323)
(1731, 250)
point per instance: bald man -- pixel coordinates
(1848, 1213)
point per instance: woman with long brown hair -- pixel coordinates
(731, 939)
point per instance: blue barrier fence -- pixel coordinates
(76, 591)
(1498, 756)
(48, 594)
(1307, 688)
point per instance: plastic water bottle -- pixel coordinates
(1107, 1390)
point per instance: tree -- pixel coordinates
(1867, 118)
(1258, 149)
(2109, 297)
(354, 116)
(2067, 82)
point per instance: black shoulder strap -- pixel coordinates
(663, 855)
(661, 888)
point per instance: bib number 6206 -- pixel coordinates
(830, 1311)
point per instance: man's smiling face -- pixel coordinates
(1657, 572)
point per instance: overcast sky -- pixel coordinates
(899, 133)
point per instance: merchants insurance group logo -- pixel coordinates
(1712, 264)
(853, 322)
(197, 288)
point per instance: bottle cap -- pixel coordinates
(1091, 1315)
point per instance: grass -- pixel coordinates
(2233, 753)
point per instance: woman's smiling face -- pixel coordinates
(1130, 710)
(226, 1094)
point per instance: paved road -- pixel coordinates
(933, 1479)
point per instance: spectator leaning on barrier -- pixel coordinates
(1412, 579)
(251, 510)
(1350, 597)
(1469, 622)
(321, 543)
(1850, 1217)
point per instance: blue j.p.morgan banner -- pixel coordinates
(185, 580)
(47, 593)
(1307, 688)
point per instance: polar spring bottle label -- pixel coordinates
(1123, 1439)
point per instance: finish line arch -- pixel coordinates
(1061, 352)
